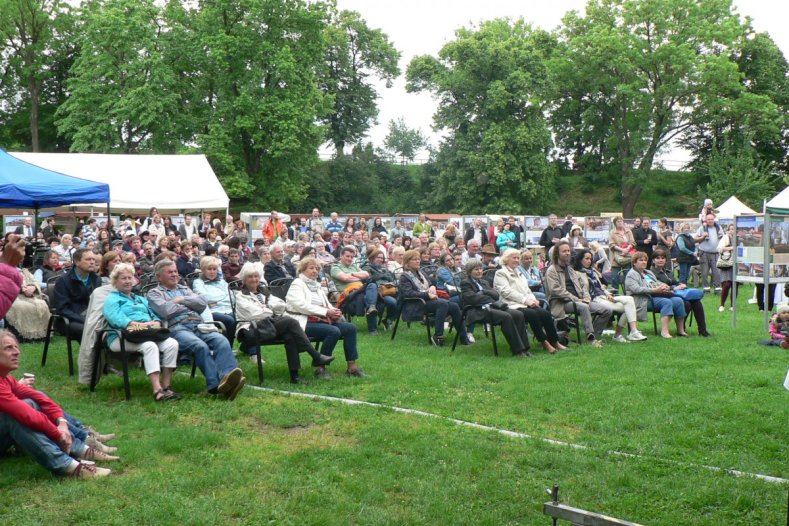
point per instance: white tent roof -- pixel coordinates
(138, 182)
(733, 207)
(779, 203)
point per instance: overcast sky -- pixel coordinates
(418, 27)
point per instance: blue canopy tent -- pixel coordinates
(24, 185)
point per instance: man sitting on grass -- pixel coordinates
(181, 308)
(33, 422)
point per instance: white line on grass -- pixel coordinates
(516, 434)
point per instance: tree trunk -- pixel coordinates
(339, 148)
(35, 102)
(630, 194)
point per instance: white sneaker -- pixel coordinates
(636, 336)
(721, 308)
(619, 339)
(731, 309)
(471, 338)
(87, 469)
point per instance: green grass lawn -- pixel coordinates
(278, 459)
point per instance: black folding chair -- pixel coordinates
(489, 328)
(100, 347)
(279, 287)
(62, 321)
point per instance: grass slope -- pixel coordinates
(666, 193)
(271, 458)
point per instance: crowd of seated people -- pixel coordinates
(569, 281)
(208, 282)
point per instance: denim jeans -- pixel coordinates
(684, 272)
(673, 306)
(330, 334)
(387, 302)
(230, 325)
(36, 444)
(210, 350)
(77, 428)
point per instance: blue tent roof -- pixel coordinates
(24, 185)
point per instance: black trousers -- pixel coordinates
(513, 326)
(541, 323)
(698, 313)
(760, 296)
(291, 333)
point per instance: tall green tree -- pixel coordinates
(736, 171)
(628, 75)
(355, 55)
(32, 36)
(403, 141)
(490, 82)
(258, 90)
(756, 119)
(124, 96)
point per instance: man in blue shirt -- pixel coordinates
(333, 225)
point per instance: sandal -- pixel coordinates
(162, 396)
(174, 393)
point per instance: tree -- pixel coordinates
(258, 101)
(629, 74)
(757, 118)
(123, 95)
(490, 82)
(29, 33)
(736, 171)
(354, 54)
(404, 141)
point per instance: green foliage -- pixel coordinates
(36, 39)
(354, 54)
(404, 141)
(626, 74)
(257, 75)
(490, 82)
(757, 116)
(124, 97)
(364, 182)
(736, 171)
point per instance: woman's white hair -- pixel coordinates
(508, 255)
(250, 268)
(119, 269)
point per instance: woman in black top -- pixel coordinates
(477, 292)
(664, 275)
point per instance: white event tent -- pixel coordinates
(733, 207)
(138, 182)
(780, 203)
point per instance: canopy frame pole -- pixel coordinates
(109, 220)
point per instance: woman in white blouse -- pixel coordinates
(307, 302)
(513, 289)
